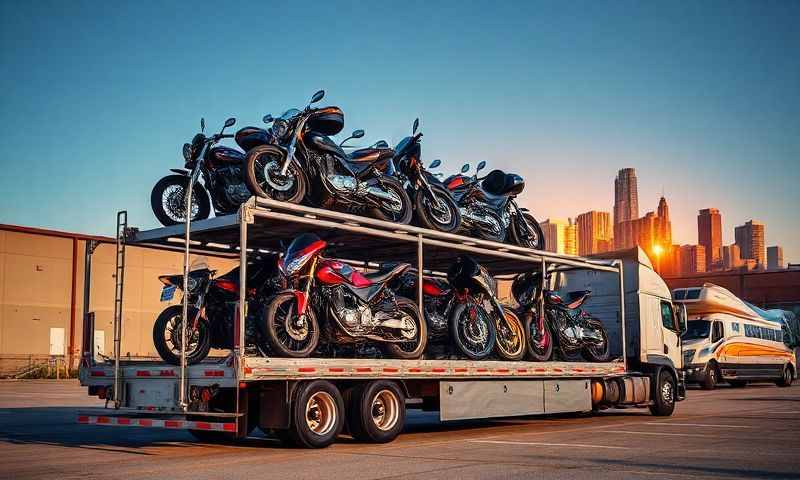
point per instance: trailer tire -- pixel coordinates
(664, 394)
(376, 411)
(711, 377)
(317, 414)
(786, 378)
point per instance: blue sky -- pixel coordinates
(702, 98)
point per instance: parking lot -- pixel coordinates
(727, 433)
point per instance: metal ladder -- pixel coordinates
(119, 278)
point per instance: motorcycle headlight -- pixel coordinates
(192, 283)
(279, 128)
(187, 152)
(293, 266)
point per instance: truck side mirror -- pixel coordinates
(680, 313)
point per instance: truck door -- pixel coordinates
(670, 334)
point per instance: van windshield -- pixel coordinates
(697, 329)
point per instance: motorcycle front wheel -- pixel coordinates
(264, 179)
(168, 200)
(601, 351)
(167, 336)
(415, 346)
(397, 210)
(437, 213)
(473, 330)
(535, 238)
(510, 344)
(540, 346)
(279, 326)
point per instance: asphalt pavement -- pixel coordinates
(751, 432)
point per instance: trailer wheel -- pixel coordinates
(664, 395)
(711, 378)
(786, 377)
(376, 411)
(317, 414)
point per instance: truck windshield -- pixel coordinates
(697, 329)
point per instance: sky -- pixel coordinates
(701, 98)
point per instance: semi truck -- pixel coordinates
(310, 401)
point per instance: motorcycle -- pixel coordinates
(488, 208)
(212, 310)
(564, 326)
(356, 308)
(221, 169)
(433, 203)
(362, 182)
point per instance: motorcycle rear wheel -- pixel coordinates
(401, 213)
(475, 337)
(168, 200)
(535, 241)
(412, 349)
(167, 336)
(510, 343)
(263, 175)
(597, 353)
(283, 338)
(448, 221)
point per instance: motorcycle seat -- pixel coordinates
(385, 274)
(370, 154)
(577, 298)
(495, 183)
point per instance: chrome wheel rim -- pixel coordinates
(172, 336)
(321, 413)
(274, 179)
(438, 209)
(666, 393)
(385, 410)
(173, 202)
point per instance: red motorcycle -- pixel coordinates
(356, 307)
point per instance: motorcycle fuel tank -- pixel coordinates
(225, 155)
(332, 272)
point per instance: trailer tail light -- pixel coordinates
(205, 394)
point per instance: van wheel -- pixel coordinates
(664, 395)
(711, 378)
(786, 378)
(376, 411)
(317, 414)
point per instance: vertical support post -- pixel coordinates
(122, 227)
(88, 327)
(620, 266)
(239, 347)
(185, 311)
(541, 290)
(420, 277)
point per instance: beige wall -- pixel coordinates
(35, 293)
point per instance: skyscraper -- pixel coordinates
(750, 239)
(731, 257)
(571, 238)
(693, 259)
(554, 231)
(594, 232)
(709, 235)
(626, 203)
(775, 257)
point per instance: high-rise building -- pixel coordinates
(750, 239)
(594, 232)
(775, 257)
(693, 259)
(555, 235)
(731, 257)
(709, 235)
(626, 202)
(571, 238)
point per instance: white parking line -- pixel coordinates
(631, 432)
(543, 444)
(671, 424)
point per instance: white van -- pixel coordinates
(727, 340)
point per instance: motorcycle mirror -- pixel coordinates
(435, 163)
(481, 166)
(357, 134)
(415, 127)
(267, 118)
(465, 168)
(202, 124)
(317, 97)
(230, 122)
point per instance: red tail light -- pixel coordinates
(227, 285)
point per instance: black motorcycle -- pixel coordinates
(221, 169)
(564, 326)
(306, 165)
(212, 310)
(489, 210)
(433, 203)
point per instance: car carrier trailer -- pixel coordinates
(308, 401)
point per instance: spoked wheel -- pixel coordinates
(540, 342)
(510, 337)
(264, 176)
(415, 336)
(598, 352)
(534, 238)
(167, 336)
(439, 212)
(376, 411)
(317, 414)
(397, 208)
(473, 330)
(286, 334)
(168, 200)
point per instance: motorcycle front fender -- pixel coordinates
(180, 171)
(301, 299)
